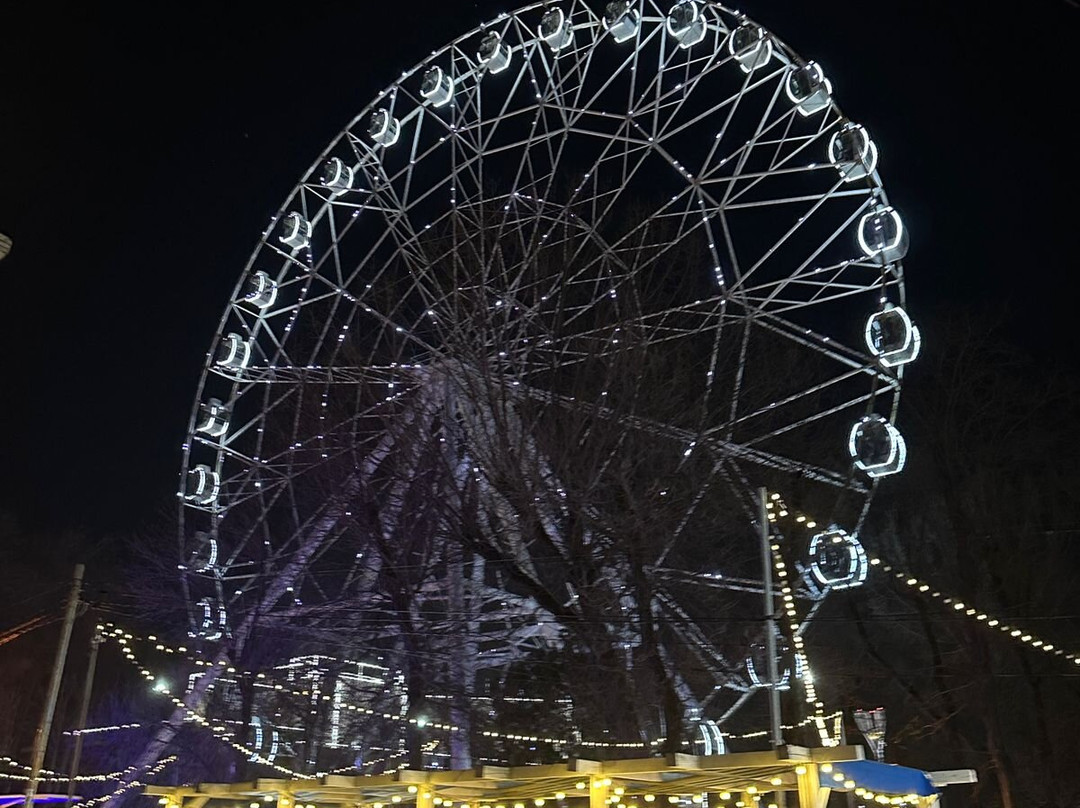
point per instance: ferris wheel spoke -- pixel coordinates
(714, 661)
(773, 407)
(686, 438)
(832, 349)
(790, 232)
(711, 580)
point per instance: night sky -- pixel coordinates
(141, 156)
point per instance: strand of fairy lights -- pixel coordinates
(1013, 633)
(809, 689)
(47, 775)
(219, 730)
(98, 730)
(153, 770)
(55, 777)
(762, 733)
(111, 631)
(124, 639)
(777, 508)
(830, 771)
(787, 594)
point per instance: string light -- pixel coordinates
(51, 776)
(776, 507)
(153, 770)
(763, 733)
(111, 631)
(1009, 631)
(125, 639)
(96, 730)
(801, 659)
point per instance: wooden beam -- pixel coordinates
(583, 766)
(539, 772)
(811, 793)
(227, 789)
(614, 768)
(735, 760)
(274, 784)
(837, 754)
(599, 789)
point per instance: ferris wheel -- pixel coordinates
(525, 341)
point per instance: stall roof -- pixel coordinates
(636, 782)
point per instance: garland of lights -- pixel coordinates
(1019, 635)
(777, 508)
(55, 777)
(124, 639)
(156, 769)
(48, 775)
(220, 731)
(96, 730)
(801, 658)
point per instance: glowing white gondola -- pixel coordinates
(837, 559)
(555, 29)
(882, 234)
(808, 89)
(621, 21)
(262, 729)
(203, 484)
(214, 420)
(436, 87)
(203, 553)
(384, 128)
(493, 53)
(337, 176)
(758, 659)
(295, 231)
(234, 352)
(214, 619)
(876, 446)
(750, 46)
(261, 291)
(712, 738)
(685, 23)
(892, 337)
(853, 152)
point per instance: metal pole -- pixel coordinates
(84, 709)
(770, 633)
(770, 620)
(843, 742)
(41, 736)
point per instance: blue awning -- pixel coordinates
(884, 778)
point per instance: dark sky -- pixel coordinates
(141, 156)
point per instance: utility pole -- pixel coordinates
(84, 709)
(770, 630)
(41, 737)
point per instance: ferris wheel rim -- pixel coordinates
(289, 205)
